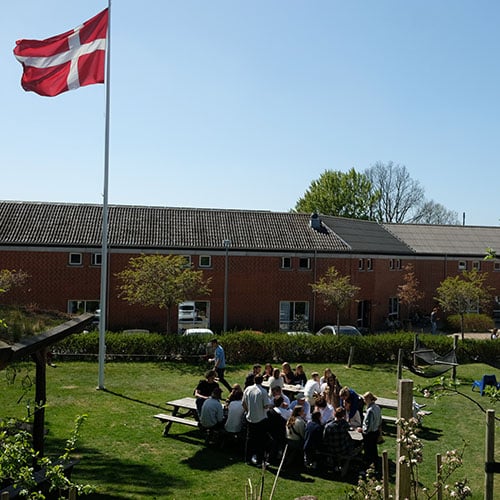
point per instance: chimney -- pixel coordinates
(315, 221)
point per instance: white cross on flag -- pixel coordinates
(67, 61)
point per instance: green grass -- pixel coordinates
(124, 454)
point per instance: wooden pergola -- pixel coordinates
(37, 347)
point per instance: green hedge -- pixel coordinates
(473, 322)
(249, 347)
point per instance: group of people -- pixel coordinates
(314, 427)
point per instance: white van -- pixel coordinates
(187, 312)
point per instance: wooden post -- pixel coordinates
(455, 345)
(5, 495)
(400, 368)
(415, 346)
(489, 453)
(405, 403)
(72, 493)
(385, 474)
(40, 400)
(439, 491)
(351, 357)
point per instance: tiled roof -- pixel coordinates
(65, 224)
(447, 240)
(366, 236)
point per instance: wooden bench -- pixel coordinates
(170, 419)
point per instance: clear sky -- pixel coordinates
(241, 104)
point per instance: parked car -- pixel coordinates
(299, 333)
(198, 331)
(343, 330)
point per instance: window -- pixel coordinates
(75, 259)
(393, 307)
(361, 264)
(294, 316)
(96, 259)
(395, 264)
(462, 265)
(496, 266)
(476, 265)
(369, 265)
(286, 263)
(82, 306)
(187, 258)
(305, 263)
(205, 261)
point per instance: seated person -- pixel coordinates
(204, 389)
(313, 440)
(336, 438)
(250, 379)
(324, 408)
(299, 376)
(353, 405)
(287, 373)
(275, 380)
(212, 415)
(268, 371)
(277, 392)
(300, 399)
(235, 411)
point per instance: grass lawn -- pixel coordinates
(124, 454)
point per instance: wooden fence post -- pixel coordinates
(351, 357)
(455, 345)
(439, 491)
(489, 454)
(405, 403)
(385, 474)
(5, 495)
(400, 368)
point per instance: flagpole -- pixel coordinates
(104, 251)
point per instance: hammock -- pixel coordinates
(429, 363)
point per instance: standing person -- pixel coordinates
(220, 363)
(353, 405)
(312, 388)
(371, 429)
(295, 433)
(434, 320)
(331, 390)
(313, 440)
(256, 403)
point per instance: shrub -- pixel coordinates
(473, 322)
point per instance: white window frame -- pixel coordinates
(361, 264)
(289, 317)
(393, 307)
(205, 265)
(369, 264)
(462, 265)
(75, 259)
(82, 306)
(284, 261)
(307, 260)
(96, 259)
(476, 265)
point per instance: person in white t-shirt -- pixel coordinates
(311, 388)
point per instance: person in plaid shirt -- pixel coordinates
(336, 438)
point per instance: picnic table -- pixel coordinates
(287, 388)
(183, 412)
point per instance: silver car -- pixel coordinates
(342, 330)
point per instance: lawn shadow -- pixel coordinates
(135, 400)
(209, 459)
(96, 467)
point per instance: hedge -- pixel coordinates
(249, 347)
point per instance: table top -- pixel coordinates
(286, 387)
(188, 403)
(391, 404)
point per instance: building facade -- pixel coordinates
(261, 264)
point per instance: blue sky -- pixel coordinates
(241, 104)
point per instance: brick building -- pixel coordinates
(271, 260)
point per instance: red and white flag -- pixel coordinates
(67, 61)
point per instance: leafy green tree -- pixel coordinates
(463, 293)
(11, 278)
(336, 290)
(341, 194)
(161, 281)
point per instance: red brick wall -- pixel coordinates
(256, 285)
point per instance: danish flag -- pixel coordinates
(67, 61)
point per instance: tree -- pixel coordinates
(399, 193)
(430, 212)
(11, 278)
(463, 293)
(341, 194)
(161, 281)
(409, 293)
(336, 290)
